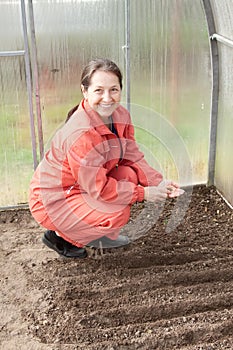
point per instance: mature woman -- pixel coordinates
(84, 187)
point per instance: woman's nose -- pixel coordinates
(106, 96)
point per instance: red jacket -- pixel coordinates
(81, 156)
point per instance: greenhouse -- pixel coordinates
(173, 288)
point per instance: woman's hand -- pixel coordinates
(166, 189)
(174, 189)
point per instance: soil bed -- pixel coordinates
(164, 291)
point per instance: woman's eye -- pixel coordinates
(98, 91)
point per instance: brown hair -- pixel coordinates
(102, 64)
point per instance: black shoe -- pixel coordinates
(62, 247)
(105, 242)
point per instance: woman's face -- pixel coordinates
(103, 93)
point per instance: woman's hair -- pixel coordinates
(102, 64)
(99, 64)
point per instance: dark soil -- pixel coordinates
(164, 291)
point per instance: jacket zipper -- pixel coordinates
(121, 152)
(114, 131)
(71, 188)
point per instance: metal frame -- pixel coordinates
(215, 91)
(12, 53)
(29, 80)
(127, 52)
(36, 84)
(222, 39)
(214, 39)
(29, 83)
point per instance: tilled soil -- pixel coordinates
(164, 291)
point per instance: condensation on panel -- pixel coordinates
(15, 141)
(223, 16)
(69, 34)
(11, 38)
(171, 75)
(224, 158)
(170, 79)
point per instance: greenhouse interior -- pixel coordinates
(169, 285)
(176, 57)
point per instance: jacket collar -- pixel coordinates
(94, 118)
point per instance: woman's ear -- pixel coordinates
(84, 92)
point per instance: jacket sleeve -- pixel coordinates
(87, 163)
(147, 176)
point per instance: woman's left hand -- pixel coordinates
(173, 189)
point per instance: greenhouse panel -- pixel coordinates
(224, 165)
(169, 73)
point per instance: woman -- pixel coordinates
(84, 187)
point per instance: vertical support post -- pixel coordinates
(29, 83)
(127, 52)
(215, 92)
(36, 84)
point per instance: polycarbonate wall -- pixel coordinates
(223, 13)
(169, 69)
(68, 35)
(15, 139)
(171, 85)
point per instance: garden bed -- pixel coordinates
(164, 291)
